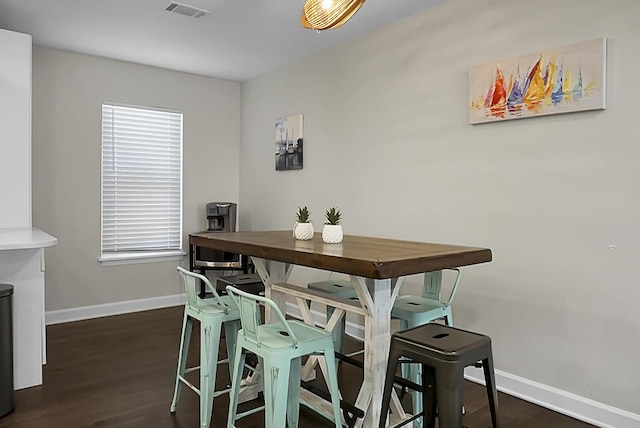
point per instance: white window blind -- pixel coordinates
(141, 180)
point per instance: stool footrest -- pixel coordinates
(249, 412)
(348, 359)
(189, 384)
(405, 383)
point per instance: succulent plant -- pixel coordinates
(333, 215)
(303, 215)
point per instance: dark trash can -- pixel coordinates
(6, 350)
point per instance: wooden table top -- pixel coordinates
(377, 258)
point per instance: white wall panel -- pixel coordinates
(15, 129)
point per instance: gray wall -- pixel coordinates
(387, 140)
(68, 90)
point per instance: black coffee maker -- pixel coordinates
(221, 216)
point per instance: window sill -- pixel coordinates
(137, 258)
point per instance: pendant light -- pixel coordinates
(327, 14)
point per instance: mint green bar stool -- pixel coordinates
(212, 314)
(338, 288)
(413, 311)
(280, 347)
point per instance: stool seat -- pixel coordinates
(445, 343)
(207, 306)
(443, 352)
(251, 283)
(274, 337)
(337, 287)
(412, 304)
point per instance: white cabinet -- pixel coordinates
(15, 129)
(22, 265)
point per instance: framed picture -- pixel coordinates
(561, 80)
(289, 139)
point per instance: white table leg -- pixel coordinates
(376, 296)
(272, 273)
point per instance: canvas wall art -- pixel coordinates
(561, 80)
(289, 138)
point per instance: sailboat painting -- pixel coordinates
(289, 139)
(561, 80)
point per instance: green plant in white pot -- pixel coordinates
(332, 230)
(303, 228)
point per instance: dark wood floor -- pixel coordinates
(119, 372)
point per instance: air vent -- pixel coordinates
(183, 9)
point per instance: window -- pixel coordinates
(141, 183)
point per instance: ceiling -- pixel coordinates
(237, 40)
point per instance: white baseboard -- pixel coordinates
(569, 404)
(108, 309)
(575, 406)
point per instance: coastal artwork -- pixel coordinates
(289, 142)
(561, 80)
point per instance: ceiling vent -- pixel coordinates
(183, 9)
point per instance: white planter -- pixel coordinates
(303, 231)
(332, 233)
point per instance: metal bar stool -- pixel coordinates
(212, 315)
(444, 352)
(412, 311)
(338, 288)
(280, 346)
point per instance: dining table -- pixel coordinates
(376, 266)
